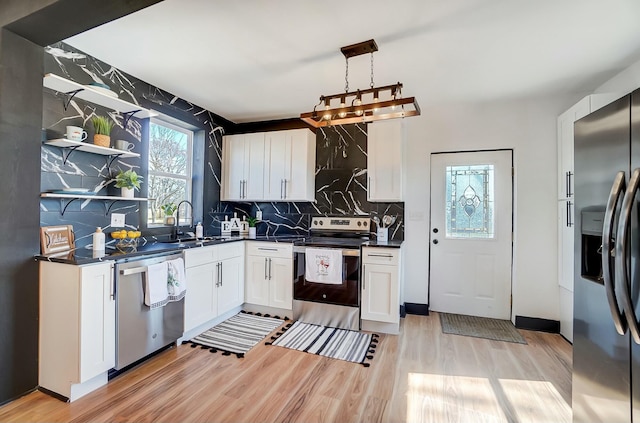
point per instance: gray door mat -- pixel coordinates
(480, 327)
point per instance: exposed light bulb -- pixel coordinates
(358, 103)
(342, 113)
(327, 115)
(375, 100)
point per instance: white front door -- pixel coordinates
(471, 233)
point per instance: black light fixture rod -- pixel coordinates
(367, 91)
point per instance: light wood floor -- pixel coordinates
(421, 375)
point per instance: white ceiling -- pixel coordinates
(258, 60)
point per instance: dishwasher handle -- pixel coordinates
(133, 270)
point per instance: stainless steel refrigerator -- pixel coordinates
(606, 343)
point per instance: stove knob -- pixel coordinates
(321, 223)
(315, 222)
(364, 223)
(359, 223)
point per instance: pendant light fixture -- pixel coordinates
(374, 103)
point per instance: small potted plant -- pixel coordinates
(102, 126)
(128, 181)
(169, 209)
(252, 226)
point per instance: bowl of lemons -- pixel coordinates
(126, 239)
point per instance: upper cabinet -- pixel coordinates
(243, 167)
(384, 160)
(269, 166)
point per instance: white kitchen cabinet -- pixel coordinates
(269, 280)
(77, 327)
(384, 160)
(215, 282)
(380, 285)
(243, 167)
(289, 173)
(269, 166)
(566, 212)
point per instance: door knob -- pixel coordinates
(435, 241)
(435, 230)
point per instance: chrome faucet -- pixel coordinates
(175, 231)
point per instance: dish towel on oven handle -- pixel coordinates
(323, 265)
(176, 280)
(155, 292)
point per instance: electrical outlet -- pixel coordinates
(117, 220)
(259, 215)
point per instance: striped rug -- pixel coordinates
(237, 334)
(342, 344)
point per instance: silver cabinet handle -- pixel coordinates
(617, 190)
(240, 191)
(281, 188)
(285, 190)
(569, 192)
(364, 274)
(269, 269)
(265, 268)
(267, 249)
(380, 255)
(622, 254)
(569, 219)
(220, 273)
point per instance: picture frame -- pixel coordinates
(54, 239)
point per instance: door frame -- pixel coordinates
(513, 212)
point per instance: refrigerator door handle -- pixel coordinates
(622, 254)
(617, 190)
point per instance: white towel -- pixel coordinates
(323, 265)
(176, 280)
(155, 292)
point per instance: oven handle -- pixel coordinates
(345, 252)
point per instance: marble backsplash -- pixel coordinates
(341, 174)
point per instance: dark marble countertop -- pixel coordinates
(159, 246)
(148, 247)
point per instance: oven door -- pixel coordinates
(347, 293)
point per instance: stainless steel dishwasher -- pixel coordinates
(140, 330)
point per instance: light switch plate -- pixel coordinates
(117, 220)
(259, 214)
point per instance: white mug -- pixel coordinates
(75, 133)
(124, 145)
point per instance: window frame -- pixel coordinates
(190, 132)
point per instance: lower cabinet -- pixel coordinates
(380, 285)
(215, 276)
(77, 327)
(269, 279)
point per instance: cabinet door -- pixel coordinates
(256, 282)
(384, 161)
(277, 162)
(254, 166)
(230, 284)
(200, 304)
(300, 176)
(280, 276)
(380, 296)
(97, 321)
(233, 167)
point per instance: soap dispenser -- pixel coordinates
(98, 239)
(199, 231)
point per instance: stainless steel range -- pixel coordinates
(337, 303)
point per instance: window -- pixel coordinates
(469, 206)
(170, 167)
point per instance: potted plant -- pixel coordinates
(252, 226)
(102, 126)
(169, 209)
(128, 181)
